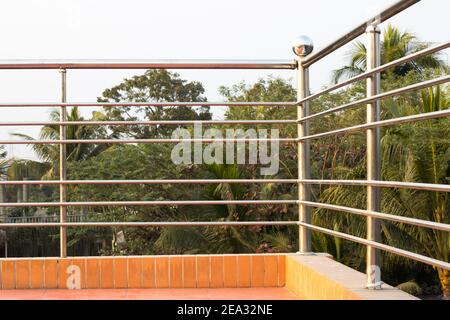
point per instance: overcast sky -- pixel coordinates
(175, 29)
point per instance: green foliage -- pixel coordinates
(26, 169)
(395, 44)
(411, 287)
(153, 86)
(49, 153)
(3, 162)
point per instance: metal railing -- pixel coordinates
(304, 181)
(373, 156)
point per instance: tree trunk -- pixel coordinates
(444, 277)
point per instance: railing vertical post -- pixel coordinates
(373, 158)
(2, 199)
(63, 165)
(303, 159)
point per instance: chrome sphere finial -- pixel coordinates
(302, 46)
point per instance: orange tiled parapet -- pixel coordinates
(188, 271)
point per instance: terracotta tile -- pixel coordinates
(189, 272)
(281, 270)
(37, 274)
(270, 271)
(151, 294)
(134, 273)
(203, 272)
(244, 272)
(176, 272)
(120, 273)
(230, 271)
(63, 275)
(217, 271)
(148, 272)
(257, 274)
(92, 273)
(80, 263)
(106, 273)
(8, 274)
(51, 273)
(162, 272)
(22, 274)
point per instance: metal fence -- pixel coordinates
(304, 181)
(42, 219)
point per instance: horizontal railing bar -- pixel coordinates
(168, 122)
(359, 30)
(148, 224)
(175, 181)
(144, 203)
(146, 104)
(148, 64)
(380, 215)
(388, 184)
(145, 141)
(400, 252)
(383, 123)
(384, 95)
(379, 69)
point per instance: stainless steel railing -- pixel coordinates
(63, 224)
(372, 127)
(304, 181)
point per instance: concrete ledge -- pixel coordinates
(318, 277)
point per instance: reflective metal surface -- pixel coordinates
(145, 203)
(184, 181)
(400, 252)
(147, 64)
(384, 67)
(130, 123)
(132, 141)
(384, 95)
(302, 46)
(386, 184)
(63, 165)
(351, 35)
(147, 104)
(383, 123)
(373, 152)
(149, 224)
(303, 154)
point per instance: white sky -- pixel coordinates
(175, 29)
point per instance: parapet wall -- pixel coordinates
(315, 277)
(200, 271)
(319, 277)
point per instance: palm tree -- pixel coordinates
(415, 153)
(395, 44)
(75, 152)
(3, 162)
(213, 239)
(421, 153)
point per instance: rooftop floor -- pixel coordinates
(150, 294)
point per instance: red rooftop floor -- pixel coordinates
(150, 294)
